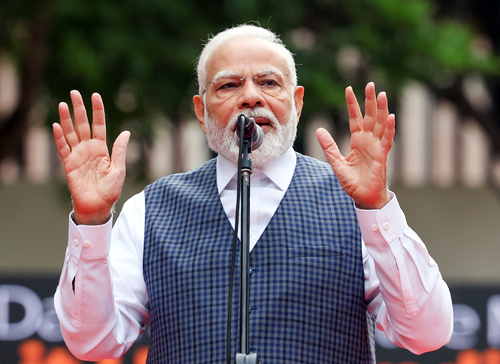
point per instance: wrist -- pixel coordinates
(376, 203)
(96, 218)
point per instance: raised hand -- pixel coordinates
(363, 172)
(95, 179)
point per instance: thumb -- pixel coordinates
(329, 146)
(119, 151)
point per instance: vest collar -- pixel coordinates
(279, 171)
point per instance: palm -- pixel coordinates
(95, 180)
(90, 175)
(362, 173)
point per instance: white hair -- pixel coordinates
(242, 31)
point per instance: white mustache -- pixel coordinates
(255, 113)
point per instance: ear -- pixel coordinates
(199, 109)
(298, 98)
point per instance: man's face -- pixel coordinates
(273, 107)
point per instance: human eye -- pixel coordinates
(228, 85)
(268, 82)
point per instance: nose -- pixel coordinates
(250, 95)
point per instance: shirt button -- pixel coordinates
(387, 226)
(76, 242)
(374, 227)
(86, 244)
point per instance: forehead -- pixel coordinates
(245, 56)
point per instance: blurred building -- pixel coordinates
(441, 168)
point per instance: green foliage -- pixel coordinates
(394, 40)
(140, 55)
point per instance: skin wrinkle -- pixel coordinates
(278, 114)
(242, 32)
(229, 73)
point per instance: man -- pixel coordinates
(313, 278)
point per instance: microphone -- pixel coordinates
(251, 131)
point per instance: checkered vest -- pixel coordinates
(306, 282)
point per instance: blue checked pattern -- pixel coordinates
(306, 286)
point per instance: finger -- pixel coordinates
(61, 143)
(119, 151)
(390, 130)
(67, 125)
(355, 115)
(370, 107)
(330, 148)
(382, 115)
(81, 121)
(98, 118)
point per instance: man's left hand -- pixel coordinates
(363, 172)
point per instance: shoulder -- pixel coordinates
(313, 172)
(312, 165)
(195, 176)
(310, 161)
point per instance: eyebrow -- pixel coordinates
(269, 71)
(228, 73)
(224, 74)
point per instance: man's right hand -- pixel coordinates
(95, 179)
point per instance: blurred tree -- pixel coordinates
(392, 42)
(140, 54)
(23, 38)
(484, 17)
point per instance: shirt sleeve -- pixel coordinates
(404, 288)
(101, 300)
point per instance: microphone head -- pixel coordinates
(259, 137)
(251, 131)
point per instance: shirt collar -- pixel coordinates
(279, 171)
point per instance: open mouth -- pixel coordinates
(264, 123)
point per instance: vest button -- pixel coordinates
(250, 270)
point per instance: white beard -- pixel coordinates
(276, 142)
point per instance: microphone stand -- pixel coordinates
(244, 356)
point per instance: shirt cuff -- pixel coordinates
(89, 242)
(387, 223)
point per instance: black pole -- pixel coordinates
(246, 171)
(244, 356)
